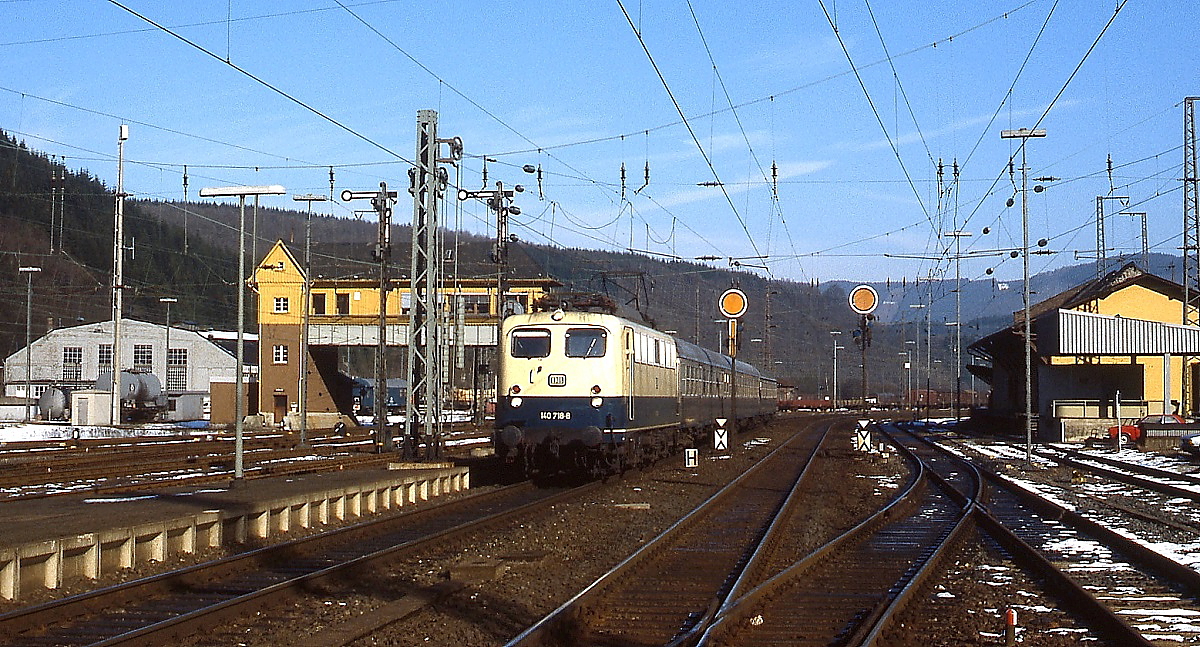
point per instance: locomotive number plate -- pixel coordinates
(556, 379)
(554, 415)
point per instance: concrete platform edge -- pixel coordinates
(49, 563)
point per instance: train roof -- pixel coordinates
(684, 349)
(688, 350)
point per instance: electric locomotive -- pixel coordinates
(594, 393)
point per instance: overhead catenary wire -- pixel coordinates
(776, 206)
(263, 82)
(690, 130)
(878, 118)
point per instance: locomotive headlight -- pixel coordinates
(597, 402)
(595, 389)
(514, 389)
(515, 402)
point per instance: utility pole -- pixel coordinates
(1024, 134)
(53, 199)
(28, 271)
(768, 356)
(958, 236)
(835, 333)
(167, 343)
(382, 202)
(185, 210)
(306, 306)
(119, 274)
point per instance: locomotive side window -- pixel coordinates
(586, 342)
(534, 342)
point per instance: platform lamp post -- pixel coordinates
(1024, 134)
(239, 404)
(167, 352)
(305, 298)
(28, 272)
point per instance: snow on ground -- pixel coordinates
(25, 432)
(1157, 624)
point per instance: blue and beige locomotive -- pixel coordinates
(594, 393)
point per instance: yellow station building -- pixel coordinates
(344, 312)
(1113, 342)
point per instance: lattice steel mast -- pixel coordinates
(1191, 240)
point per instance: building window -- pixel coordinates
(104, 357)
(343, 304)
(476, 304)
(177, 359)
(143, 356)
(281, 304)
(318, 304)
(72, 363)
(279, 354)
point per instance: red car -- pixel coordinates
(1132, 433)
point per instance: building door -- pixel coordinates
(281, 408)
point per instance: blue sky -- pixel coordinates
(568, 86)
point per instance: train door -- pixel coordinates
(630, 390)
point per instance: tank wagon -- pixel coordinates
(142, 397)
(594, 393)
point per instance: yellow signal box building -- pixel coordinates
(343, 312)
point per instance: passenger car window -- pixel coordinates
(531, 343)
(586, 342)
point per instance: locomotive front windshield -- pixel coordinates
(586, 342)
(531, 343)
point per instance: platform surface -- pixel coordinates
(46, 518)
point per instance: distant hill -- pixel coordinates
(198, 267)
(992, 301)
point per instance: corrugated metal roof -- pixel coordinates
(1085, 333)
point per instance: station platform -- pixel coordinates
(46, 541)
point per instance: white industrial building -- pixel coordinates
(75, 358)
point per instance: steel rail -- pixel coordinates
(566, 614)
(867, 623)
(1143, 476)
(198, 581)
(1070, 590)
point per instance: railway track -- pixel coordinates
(1121, 587)
(847, 591)
(32, 470)
(154, 610)
(673, 584)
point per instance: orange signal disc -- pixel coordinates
(733, 303)
(863, 299)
